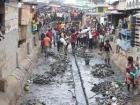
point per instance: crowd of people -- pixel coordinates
(88, 37)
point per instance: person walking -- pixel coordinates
(101, 41)
(54, 36)
(130, 68)
(58, 40)
(90, 40)
(47, 43)
(107, 49)
(50, 35)
(73, 40)
(63, 44)
(118, 42)
(42, 44)
(78, 39)
(95, 37)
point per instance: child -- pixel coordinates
(129, 79)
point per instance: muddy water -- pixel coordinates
(88, 79)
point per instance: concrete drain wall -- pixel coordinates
(17, 79)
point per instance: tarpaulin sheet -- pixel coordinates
(125, 32)
(125, 44)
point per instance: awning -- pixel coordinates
(113, 12)
(138, 14)
(113, 1)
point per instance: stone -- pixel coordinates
(110, 93)
(41, 79)
(57, 68)
(33, 102)
(102, 71)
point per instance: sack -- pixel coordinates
(62, 40)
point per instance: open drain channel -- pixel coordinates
(81, 82)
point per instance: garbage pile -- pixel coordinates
(112, 92)
(57, 68)
(34, 102)
(42, 79)
(53, 55)
(102, 71)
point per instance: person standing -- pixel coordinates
(73, 40)
(90, 40)
(101, 41)
(50, 35)
(112, 29)
(63, 44)
(78, 38)
(107, 49)
(66, 47)
(54, 36)
(84, 39)
(47, 43)
(129, 69)
(58, 40)
(118, 42)
(42, 44)
(95, 37)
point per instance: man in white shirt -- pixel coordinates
(118, 41)
(90, 40)
(54, 36)
(101, 41)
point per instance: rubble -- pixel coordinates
(42, 79)
(102, 71)
(101, 88)
(57, 68)
(53, 55)
(111, 92)
(34, 102)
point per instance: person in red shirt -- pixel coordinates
(130, 68)
(73, 39)
(95, 34)
(50, 35)
(95, 37)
